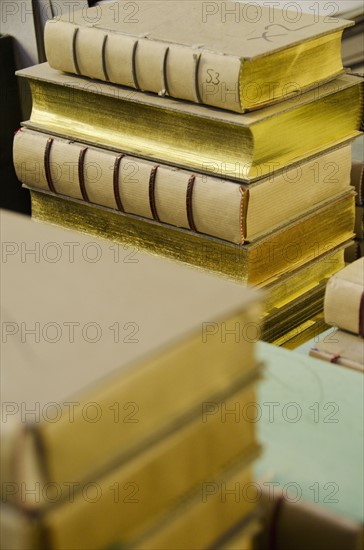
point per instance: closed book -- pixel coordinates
(200, 521)
(224, 54)
(259, 263)
(126, 499)
(104, 348)
(344, 298)
(228, 145)
(224, 209)
(342, 348)
(310, 423)
(195, 520)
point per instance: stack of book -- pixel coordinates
(344, 308)
(209, 141)
(127, 397)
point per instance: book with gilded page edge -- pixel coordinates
(224, 54)
(259, 263)
(204, 204)
(154, 355)
(196, 137)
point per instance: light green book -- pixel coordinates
(310, 422)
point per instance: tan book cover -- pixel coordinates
(104, 347)
(204, 204)
(225, 54)
(196, 137)
(344, 298)
(342, 348)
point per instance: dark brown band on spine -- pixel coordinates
(189, 193)
(133, 65)
(361, 316)
(197, 58)
(152, 204)
(74, 55)
(81, 174)
(103, 58)
(47, 165)
(116, 182)
(164, 73)
(335, 358)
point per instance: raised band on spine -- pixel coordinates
(133, 65)
(81, 174)
(152, 203)
(74, 54)
(197, 59)
(189, 193)
(103, 58)
(116, 182)
(47, 165)
(165, 90)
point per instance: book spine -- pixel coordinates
(176, 70)
(336, 359)
(344, 303)
(165, 194)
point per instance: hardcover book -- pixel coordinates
(104, 348)
(224, 54)
(228, 145)
(344, 298)
(204, 204)
(260, 263)
(197, 519)
(311, 427)
(342, 348)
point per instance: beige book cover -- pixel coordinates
(206, 204)
(225, 54)
(104, 346)
(196, 137)
(342, 348)
(344, 298)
